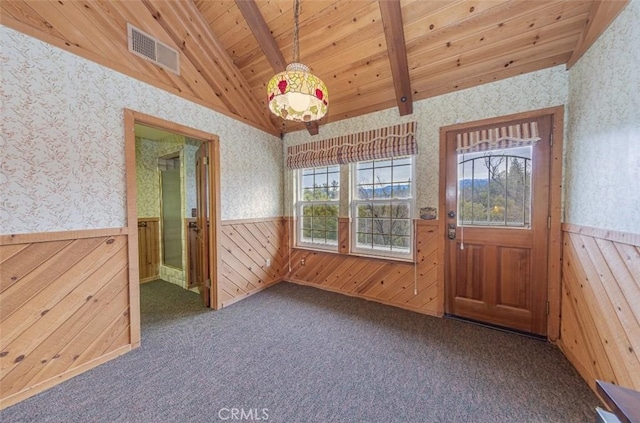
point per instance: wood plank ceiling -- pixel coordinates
(355, 46)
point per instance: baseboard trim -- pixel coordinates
(42, 386)
(248, 294)
(363, 297)
(150, 279)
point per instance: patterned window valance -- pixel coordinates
(523, 134)
(392, 141)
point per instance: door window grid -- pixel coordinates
(494, 188)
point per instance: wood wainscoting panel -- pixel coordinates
(389, 282)
(149, 248)
(64, 309)
(600, 320)
(254, 256)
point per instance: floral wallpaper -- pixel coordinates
(62, 143)
(148, 185)
(148, 188)
(531, 91)
(602, 173)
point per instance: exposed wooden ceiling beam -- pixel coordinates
(261, 31)
(602, 13)
(394, 33)
(313, 127)
(267, 43)
(186, 26)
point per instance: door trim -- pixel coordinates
(554, 257)
(132, 117)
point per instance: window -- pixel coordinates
(382, 202)
(494, 188)
(318, 205)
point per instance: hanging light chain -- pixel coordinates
(296, 50)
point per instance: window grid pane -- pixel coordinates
(382, 207)
(318, 198)
(494, 188)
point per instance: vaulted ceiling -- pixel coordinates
(372, 55)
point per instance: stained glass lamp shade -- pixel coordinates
(296, 94)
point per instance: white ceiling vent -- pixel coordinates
(144, 45)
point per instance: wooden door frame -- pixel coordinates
(554, 259)
(131, 118)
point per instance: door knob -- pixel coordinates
(451, 214)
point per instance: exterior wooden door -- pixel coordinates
(497, 214)
(203, 278)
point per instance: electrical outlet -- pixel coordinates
(302, 262)
(267, 262)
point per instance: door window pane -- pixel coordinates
(494, 188)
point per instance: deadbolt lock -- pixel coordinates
(451, 233)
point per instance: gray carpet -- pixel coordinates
(307, 355)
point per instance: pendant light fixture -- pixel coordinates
(296, 94)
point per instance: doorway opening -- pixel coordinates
(500, 203)
(173, 211)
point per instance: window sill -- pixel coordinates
(384, 258)
(408, 260)
(317, 249)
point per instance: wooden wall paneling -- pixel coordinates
(59, 276)
(344, 238)
(609, 327)
(274, 233)
(23, 264)
(600, 321)
(580, 353)
(54, 293)
(621, 288)
(74, 334)
(588, 341)
(386, 281)
(149, 248)
(246, 247)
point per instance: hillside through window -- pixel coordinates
(382, 206)
(494, 188)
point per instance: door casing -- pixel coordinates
(130, 119)
(555, 206)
